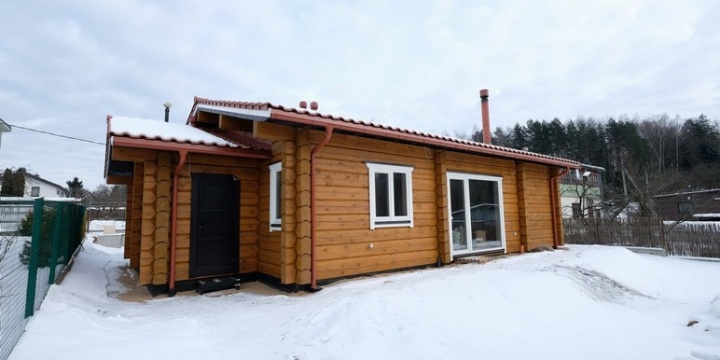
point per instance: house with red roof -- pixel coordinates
(298, 198)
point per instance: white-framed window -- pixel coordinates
(391, 202)
(275, 196)
(35, 191)
(477, 218)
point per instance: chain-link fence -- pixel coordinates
(32, 258)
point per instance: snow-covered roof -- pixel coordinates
(164, 131)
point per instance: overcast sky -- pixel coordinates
(66, 65)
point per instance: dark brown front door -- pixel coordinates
(214, 235)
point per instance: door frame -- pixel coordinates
(193, 271)
(466, 177)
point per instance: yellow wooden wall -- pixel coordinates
(268, 259)
(343, 214)
(285, 254)
(133, 221)
(538, 214)
(344, 235)
(505, 168)
(154, 233)
(246, 171)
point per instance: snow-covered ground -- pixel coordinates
(589, 302)
(100, 225)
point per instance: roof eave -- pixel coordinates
(307, 119)
(248, 114)
(120, 141)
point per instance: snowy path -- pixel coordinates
(589, 302)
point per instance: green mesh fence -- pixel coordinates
(57, 231)
(33, 256)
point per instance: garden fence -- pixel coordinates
(697, 239)
(33, 258)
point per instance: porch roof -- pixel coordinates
(165, 136)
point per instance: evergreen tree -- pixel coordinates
(518, 137)
(75, 187)
(13, 182)
(501, 138)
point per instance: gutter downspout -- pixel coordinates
(173, 221)
(553, 204)
(313, 208)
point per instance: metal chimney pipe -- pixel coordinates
(167, 106)
(487, 139)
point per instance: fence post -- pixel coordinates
(662, 233)
(34, 255)
(56, 242)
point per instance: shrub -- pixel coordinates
(46, 234)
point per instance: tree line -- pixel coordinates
(643, 156)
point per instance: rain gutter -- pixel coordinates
(313, 207)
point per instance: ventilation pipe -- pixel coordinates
(167, 106)
(487, 139)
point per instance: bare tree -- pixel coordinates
(107, 199)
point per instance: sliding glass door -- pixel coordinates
(476, 213)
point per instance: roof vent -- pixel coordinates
(303, 104)
(314, 106)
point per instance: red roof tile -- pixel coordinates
(398, 132)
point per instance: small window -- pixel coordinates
(576, 210)
(35, 191)
(275, 196)
(390, 195)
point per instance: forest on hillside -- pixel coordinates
(643, 157)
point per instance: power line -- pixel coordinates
(58, 135)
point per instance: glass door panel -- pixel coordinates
(476, 213)
(457, 216)
(484, 215)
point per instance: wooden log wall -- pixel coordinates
(147, 232)
(505, 168)
(288, 254)
(441, 193)
(268, 258)
(246, 171)
(133, 221)
(538, 211)
(161, 249)
(344, 237)
(523, 210)
(558, 209)
(302, 207)
(128, 221)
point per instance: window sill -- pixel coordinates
(391, 224)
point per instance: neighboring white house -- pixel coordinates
(36, 186)
(13, 209)
(581, 191)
